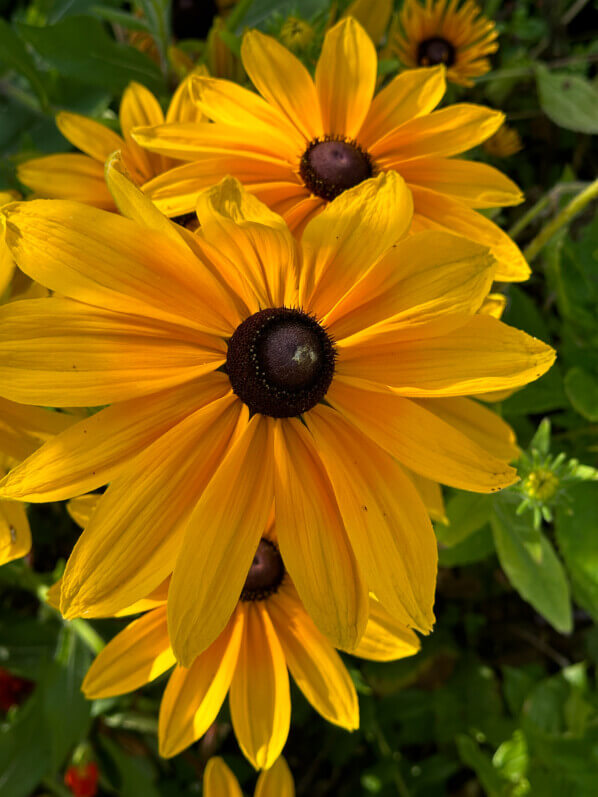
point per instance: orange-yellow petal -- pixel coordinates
(260, 703)
(71, 176)
(15, 535)
(276, 781)
(139, 108)
(136, 656)
(346, 78)
(385, 639)
(193, 697)
(312, 539)
(219, 781)
(91, 137)
(316, 667)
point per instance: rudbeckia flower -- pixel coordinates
(219, 781)
(302, 143)
(268, 634)
(80, 176)
(22, 430)
(244, 368)
(446, 32)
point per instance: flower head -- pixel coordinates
(80, 176)
(244, 371)
(268, 634)
(303, 142)
(219, 781)
(447, 32)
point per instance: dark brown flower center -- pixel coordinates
(432, 52)
(265, 574)
(280, 362)
(330, 166)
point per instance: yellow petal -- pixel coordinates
(176, 191)
(62, 353)
(102, 259)
(437, 211)
(7, 264)
(82, 508)
(494, 304)
(346, 78)
(477, 422)
(228, 103)
(316, 667)
(413, 93)
(283, 80)
(276, 781)
(373, 16)
(219, 781)
(385, 639)
(23, 429)
(477, 185)
(220, 542)
(386, 521)
(182, 107)
(313, 542)
(447, 132)
(353, 231)
(431, 494)
(70, 176)
(482, 355)
(157, 597)
(133, 539)
(15, 535)
(259, 699)
(193, 697)
(422, 278)
(139, 108)
(253, 238)
(92, 138)
(95, 450)
(136, 656)
(425, 442)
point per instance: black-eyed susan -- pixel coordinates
(244, 368)
(7, 264)
(80, 176)
(268, 634)
(504, 143)
(447, 32)
(302, 143)
(219, 781)
(22, 430)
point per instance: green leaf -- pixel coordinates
(541, 440)
(24, 751)
(474, 548)
(577, 534)
(128, 21)
(157, 14)
(135, 774)
(570, 101)
(582, 389)
(533, 568)
(80, 48)
(466, 513)
(470, 754)
(14, 54)
(511, 758)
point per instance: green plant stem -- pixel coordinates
(574, 207)
(91, 638)
(386, 751)
(132, 722)
(542, 203)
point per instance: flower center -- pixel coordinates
(434, 51)
(280, 362)
(331, 166)
(265, 574)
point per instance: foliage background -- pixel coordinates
(502, 699)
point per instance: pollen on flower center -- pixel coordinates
(434, 51)
(330, 166)
(280, 362)
(265, 574)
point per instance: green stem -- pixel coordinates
(56, 788)
(91, 638)
(543, 202)
(386, 751)
(132, 722)
(574, 207)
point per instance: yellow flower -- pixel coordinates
(302, 143)
(219, 781)
(216, 351)
(7, 264)
(441, 32)
(268, 634)
(504, 143)
(22, 430)
(81, 176)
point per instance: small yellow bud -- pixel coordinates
(541, 484)
(296, 34)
